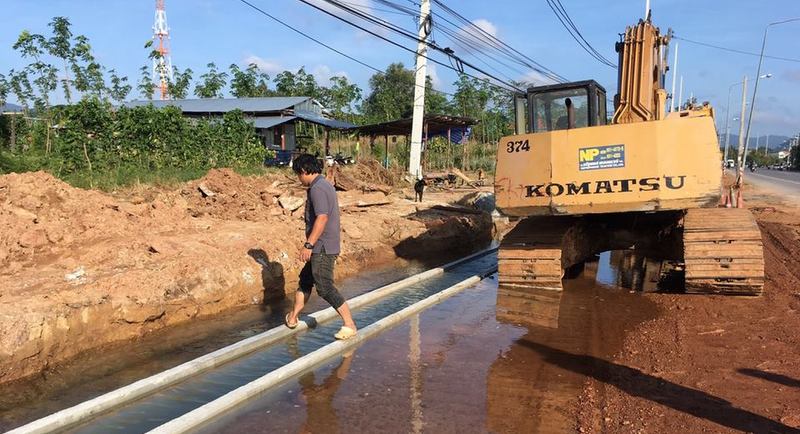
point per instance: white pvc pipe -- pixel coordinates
(213, 409)
(116, 398)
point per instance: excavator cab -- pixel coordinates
(561, 107)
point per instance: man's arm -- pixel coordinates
(318, 228)
(313, 237)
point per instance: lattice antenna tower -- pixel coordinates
(162, 65)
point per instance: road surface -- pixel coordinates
(782, 183)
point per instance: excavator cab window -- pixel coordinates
(566, 106)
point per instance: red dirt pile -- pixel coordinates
(80, 269)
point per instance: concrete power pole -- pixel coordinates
(741, 158)
(674, 79)
(414, 161)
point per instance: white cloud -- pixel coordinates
(536, 78)
(323, 74)
(271, 67)
(476, 38)
(486, 25)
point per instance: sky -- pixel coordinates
(228, 31)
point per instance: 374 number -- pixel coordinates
(518, 146)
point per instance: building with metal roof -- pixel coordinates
(273, 117)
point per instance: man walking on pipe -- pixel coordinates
(322, 245)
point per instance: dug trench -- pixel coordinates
(83, 271)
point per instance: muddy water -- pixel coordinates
(98, 372)
(159, 408)
(460, 367)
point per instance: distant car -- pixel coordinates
(281, 159)
(730, 164)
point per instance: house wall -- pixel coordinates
(270, 137)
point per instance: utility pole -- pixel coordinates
(766, 146)
(742, 148)
(680, 95)
(647, 10)
(674, 79)
(414, 161)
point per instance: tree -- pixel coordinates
(3, 90)
(20, 86)
(435, 102)
(213, 83)
(31, 45)
(46, 82)
(145, 85)
(60, 46)
(119, 87)
(249, 82)
(301, 83)
(88, 78)
(391, 94)
(179, 85)
(341, 97)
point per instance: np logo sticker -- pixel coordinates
(601, 157)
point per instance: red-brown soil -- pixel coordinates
(711, 363)
(80, 269)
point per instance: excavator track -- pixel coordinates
(530, 255)
(723, 252)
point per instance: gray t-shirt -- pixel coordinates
(322, 200)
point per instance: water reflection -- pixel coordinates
(321, 416)
(469, 364)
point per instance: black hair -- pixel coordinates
(306, 163)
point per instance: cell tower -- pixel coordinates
(162, 66)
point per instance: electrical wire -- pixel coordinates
(574, 27)
(733, 50)
(493, 42)
(566, 22)
(261, 11)
(379, 22)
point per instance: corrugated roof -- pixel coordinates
(270, 121)
(436, 124)
(325, 122)
(224, 105)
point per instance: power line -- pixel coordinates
(308, 36)
(372, 8)
(409, 35)
(562, 16)
(574, 27)
(498, 44)
(261, 11)
(733, 50)
(406, 33)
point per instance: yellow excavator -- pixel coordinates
(648, 179)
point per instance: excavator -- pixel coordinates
(579, 183)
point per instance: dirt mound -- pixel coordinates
(224, 194)
(42, 215)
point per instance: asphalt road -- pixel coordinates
(782, 183)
